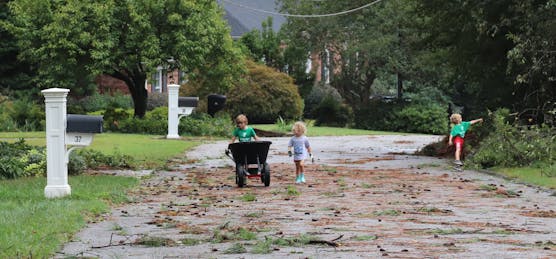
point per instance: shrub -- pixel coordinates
(157, 100)
(97, 102)
(331, 112)
(113, 117)
(420, 118)
(511, 145)
(265, 95)
(15, 157)
(95, 159)
(10, 167)
(76, 164)
(315, 98)
(202, 124)
(155, 122)
(27, 115)
(403, 117)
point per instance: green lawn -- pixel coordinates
(149, 151)
(313, 131)
(528, 175)
(35, 227)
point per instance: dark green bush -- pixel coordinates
(76, 164)
(10, 167)
(265, 95)
(156, 100)
(20, 159)
(202, 124)
(97, 102)
(420, 118)
(331, 112)
(403, 117)
(28, 115)
(315, 98)
(113, 117)
(94, 159)
(155, 122)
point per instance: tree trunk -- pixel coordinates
(140, 96)
(136, 84)
(400, 86)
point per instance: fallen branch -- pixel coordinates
(326, 242)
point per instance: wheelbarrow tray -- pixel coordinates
(247, 152)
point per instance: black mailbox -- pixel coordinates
(215, 103)
(84, 123)
(188, 101)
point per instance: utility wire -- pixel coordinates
(304, 15)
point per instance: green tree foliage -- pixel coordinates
(502, 51)
(264, 45)
(532, 60)
(13, 75)
(71, 42)
(360, 47)
(265, 95)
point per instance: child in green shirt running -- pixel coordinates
(243, 132)
(458, 133)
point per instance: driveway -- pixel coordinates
(365, 197)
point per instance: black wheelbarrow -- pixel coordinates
(250, 160)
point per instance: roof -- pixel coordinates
(242, 18)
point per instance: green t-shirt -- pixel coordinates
(460, 129)
(244, 135)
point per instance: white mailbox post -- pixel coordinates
(56, 166)
(177, 108)
(63, 130)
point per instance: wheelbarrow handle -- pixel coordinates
(228, 153)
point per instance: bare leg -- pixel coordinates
(298, 168)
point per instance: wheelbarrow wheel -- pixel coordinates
(265, 176)
(240, 176)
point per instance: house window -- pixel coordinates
(157, 80)
(182, 76)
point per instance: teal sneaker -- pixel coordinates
(298, 179)
(302, 178)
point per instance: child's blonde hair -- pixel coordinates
(299, 127)
(455, 118)
(241, 118)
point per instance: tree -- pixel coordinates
(74, 41)
(264, 45)
(358, 48)
(13, 75)
(502, 51)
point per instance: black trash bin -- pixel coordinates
(215, 103)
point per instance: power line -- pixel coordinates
(304, 15)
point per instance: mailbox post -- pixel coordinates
(177, 108)
(63, 130)
(56, 166)
(173, 91)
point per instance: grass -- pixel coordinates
(528, 175)
(33, 226)
(313, 131)
(364, 238)
(149, 151)
(248, 197)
